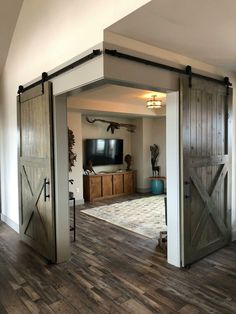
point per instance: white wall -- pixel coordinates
(154, 133)
(149, 131)
(159, 138)
(47, 34)
(173, 182)
(137, 151)
(233, 219)
(74, 120)
(147, 142)
(61, 179)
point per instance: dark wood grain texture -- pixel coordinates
(109, 185)
(112, 270)
(36, 177)
(206, 128)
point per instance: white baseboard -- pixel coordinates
(10, 223)
(143, 190)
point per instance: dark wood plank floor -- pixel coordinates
(112, 271)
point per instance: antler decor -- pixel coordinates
(114, 125)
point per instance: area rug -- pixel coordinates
(145, 216)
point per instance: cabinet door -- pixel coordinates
(95, 187)
(128, 182)
(107, 185)
(118, 184)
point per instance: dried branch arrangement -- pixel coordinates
(71, 155)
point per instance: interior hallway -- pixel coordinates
(112, 270)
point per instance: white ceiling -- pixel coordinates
(200, 29)
(119, 94)
(93, 100)
(9, 11)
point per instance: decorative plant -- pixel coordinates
(71, 155)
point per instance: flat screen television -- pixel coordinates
(104, 151)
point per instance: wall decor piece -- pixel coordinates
(89, 168)
(154, 158)
(71, 155)
(114, 125)
(128, 160)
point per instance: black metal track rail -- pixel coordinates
(46, 77)
(187, 71)
(115, 53)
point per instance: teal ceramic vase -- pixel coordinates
(157, 186)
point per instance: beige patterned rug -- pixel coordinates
(145, 216)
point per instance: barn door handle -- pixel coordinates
(187, 189)
(45, 185)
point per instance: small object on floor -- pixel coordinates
(157, 185)
(163, 241)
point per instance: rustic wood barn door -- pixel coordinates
(206, 139)
(36, 180)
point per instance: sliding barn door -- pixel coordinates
(36, 181)
(206, 139)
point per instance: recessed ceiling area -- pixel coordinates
(114, 99)
(118, 94)
(204, 30)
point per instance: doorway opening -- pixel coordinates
(111, 200)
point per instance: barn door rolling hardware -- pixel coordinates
(45, 189)
(47, 77)
(227, 84)
(186, 71)
(189, 73)
(20, 91)
(187, 189)
(115, 53)
(44, 79)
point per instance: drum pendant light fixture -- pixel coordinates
(154, 103)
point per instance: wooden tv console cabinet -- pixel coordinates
(111, 184)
